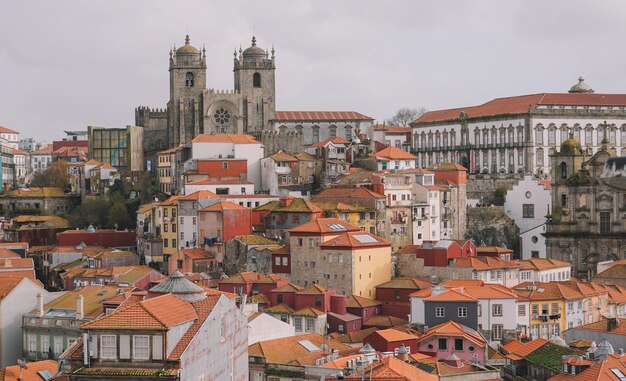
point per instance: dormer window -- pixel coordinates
(189, 80)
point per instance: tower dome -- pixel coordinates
(187, 48)
(254, 51)
(571, 146)
(581, 87)
(604, 348)
(180, 287)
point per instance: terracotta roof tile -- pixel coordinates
(222, 206)
(391, 335)
(355, 301)
(279, 309)
(289, 287)
(160, 313)
(393, 153)
(346, 193)
(406, 283)
(297, 205)
(384, 321)
(308, 312)
(318, 116)
(31, 372)
(452, 328)
(225, 138)
(289, 350)
(453, 295)
(334, 140)
(314, 289)
(355, 240)
(325, 226)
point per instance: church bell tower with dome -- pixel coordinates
(187, 84)
(254, 80)
(193, 109)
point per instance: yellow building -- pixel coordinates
(340, 256)
(164, 169)
(168, 210)
(547, 312)
(358, 215)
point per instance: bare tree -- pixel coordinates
(406, 115)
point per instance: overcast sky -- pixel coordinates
(68, 64)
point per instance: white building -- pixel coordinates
(395, 136)
(517, 134)
(237, 146)
(262, 327)
(276, 174)
(19, 160)
(393, 158)
(10, 136)
(40, 159)
(221, 186)
(20, 297)
(528, 204)
(544, 270)
(317, 126)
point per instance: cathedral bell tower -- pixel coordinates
(187, 84)
(254, 80)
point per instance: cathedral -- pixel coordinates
(193, 109)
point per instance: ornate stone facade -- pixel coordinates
(587, 223)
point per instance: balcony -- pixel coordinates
(282, 170)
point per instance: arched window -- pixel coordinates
(316, 134)
(453, 138)
(256, 80)
(348, 132)
(298, 129)
(332, 130)
(189, 80)
(563, 171)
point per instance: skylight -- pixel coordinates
(309, 346)
(364, 238)
(337, 228)
(619, 374)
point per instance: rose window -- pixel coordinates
(222, 116)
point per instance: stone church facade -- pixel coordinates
(193, 109)
(587, 224)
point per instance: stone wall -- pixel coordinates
(409, 266)
(490, 226)
(483, 187)
(292, 142)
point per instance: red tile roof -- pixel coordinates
(222, 206)
(5, 130)
(598, 371)
(282, 156)
(159, 313)
(324, 226)
(334, 140)
(393, 153)
(196, 254)
(454, 295)
(393, 129)
(452, 328)
(319, 116)
(201, 194)
(344, 193)
(219, 181)
(355, 301)
(355, 240)
(521, 104)
(226, 138)
(392, 335)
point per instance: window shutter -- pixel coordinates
(93, 349)
(124, 347)
(157, 347)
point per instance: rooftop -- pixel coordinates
(325, 226)
(226, 138)
(319, 116)
(355, 240)
(289, 350)
(393, 153)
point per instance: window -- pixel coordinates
(496, 331)
(521, 310)
(318, 301)
(605, 222)
(440, 312)
(174, 243)
(462, 311)
(45, 344)
(297, 322)
(224, 165)
(173, 228)
(165, 228)
(442, 344)
(179, 264)
(182, 220)
(528, 210)
(458, 344)
(164, 242)
(256, 80)
(544, 309)
(554, 329)
(497, 310)
(141, 347)
(189, 80)
(316, 134)
(108, 347)
(397, 294)
(279, 298)
(32, 343)
(310, 324)
(563, 171)
(554, 309)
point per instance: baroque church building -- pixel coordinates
(587, 222)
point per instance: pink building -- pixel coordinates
(452, 338)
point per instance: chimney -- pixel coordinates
(40, 304)
(338, 304)
(620, 351)
(80, 310)
(403, 353)
(286, 201)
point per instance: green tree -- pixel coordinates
(119, 216)
(93, 211)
